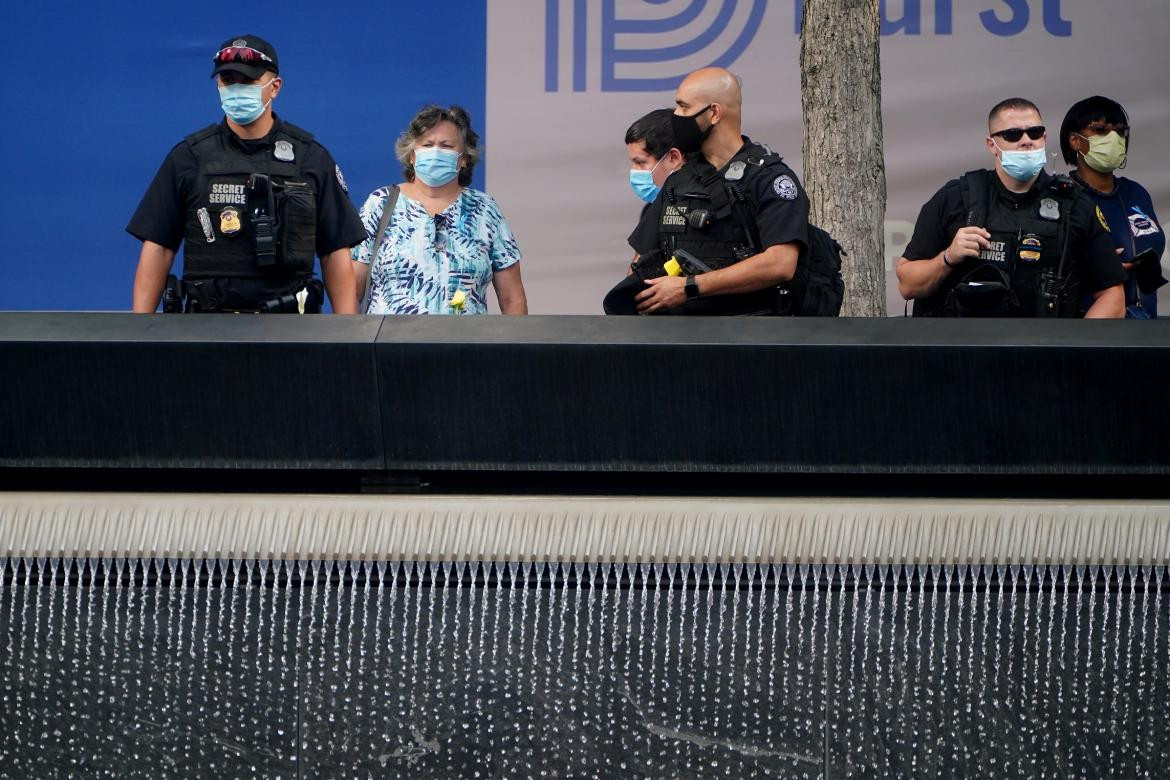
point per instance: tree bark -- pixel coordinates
(844, 167)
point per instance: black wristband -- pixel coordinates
(948, 263)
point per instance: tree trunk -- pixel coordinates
(844, 169)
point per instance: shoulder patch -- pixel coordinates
(785, 187)
(1140, 224)
(1101, 219)
(340, 178)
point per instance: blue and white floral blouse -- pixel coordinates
(426, 261)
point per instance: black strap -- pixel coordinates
(739, 207)
(739, 201)
(976, 197)
(1066, 189)
(387, 212)
(781, 304)
(1061, 276)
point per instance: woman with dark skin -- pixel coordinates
(1094, 138)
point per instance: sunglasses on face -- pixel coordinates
(1100, 128)
(244, 54)
(1013, 134)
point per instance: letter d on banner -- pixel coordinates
(715, 32)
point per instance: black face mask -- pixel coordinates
(688, 137)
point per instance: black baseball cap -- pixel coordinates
(250, 55)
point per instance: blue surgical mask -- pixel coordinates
(242, 103)
(1022, 165)
(436, 167)
(642, 182)
(643, 185)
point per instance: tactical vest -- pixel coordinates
(709, 214)
(1025, 272)
(219, 238)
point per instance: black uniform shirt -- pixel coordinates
(162, 214)
(780, 204)
(1090, 247)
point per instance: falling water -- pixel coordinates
(165, 668)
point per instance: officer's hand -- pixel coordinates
(661, 295)
(968, 243)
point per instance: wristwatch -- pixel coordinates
(692, 288)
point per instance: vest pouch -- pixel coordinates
(217, 238)
(296, 208)
(821, 296)
(649, 265)
(984, 292)
(715, 253)
(816, 288)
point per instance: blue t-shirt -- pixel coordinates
(426, 261)
(1134, 227)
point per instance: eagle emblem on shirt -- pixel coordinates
(785, 187)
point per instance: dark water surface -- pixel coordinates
(152, 669)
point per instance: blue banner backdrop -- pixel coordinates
(96, 94)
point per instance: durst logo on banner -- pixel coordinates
(631, 47)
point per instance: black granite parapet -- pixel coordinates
(84, 391)
(570, 395)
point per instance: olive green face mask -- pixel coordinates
(1106, 152)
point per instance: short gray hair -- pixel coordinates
(425, 121)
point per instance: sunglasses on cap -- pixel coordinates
(242, 54)
(1013, 134)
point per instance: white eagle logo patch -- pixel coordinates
(785, 187)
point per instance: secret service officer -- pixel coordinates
(735, 206)
(1012, 241)
(253, 199)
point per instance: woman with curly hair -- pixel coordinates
(433, 243)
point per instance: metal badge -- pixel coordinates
(1049, 209)
(283, 151)
(229, 221)
(1029, 249)
(735, 171)
(205, 223)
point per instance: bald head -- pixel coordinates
(710, 85)
(712, 101)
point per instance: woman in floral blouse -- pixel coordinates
(444, 241)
